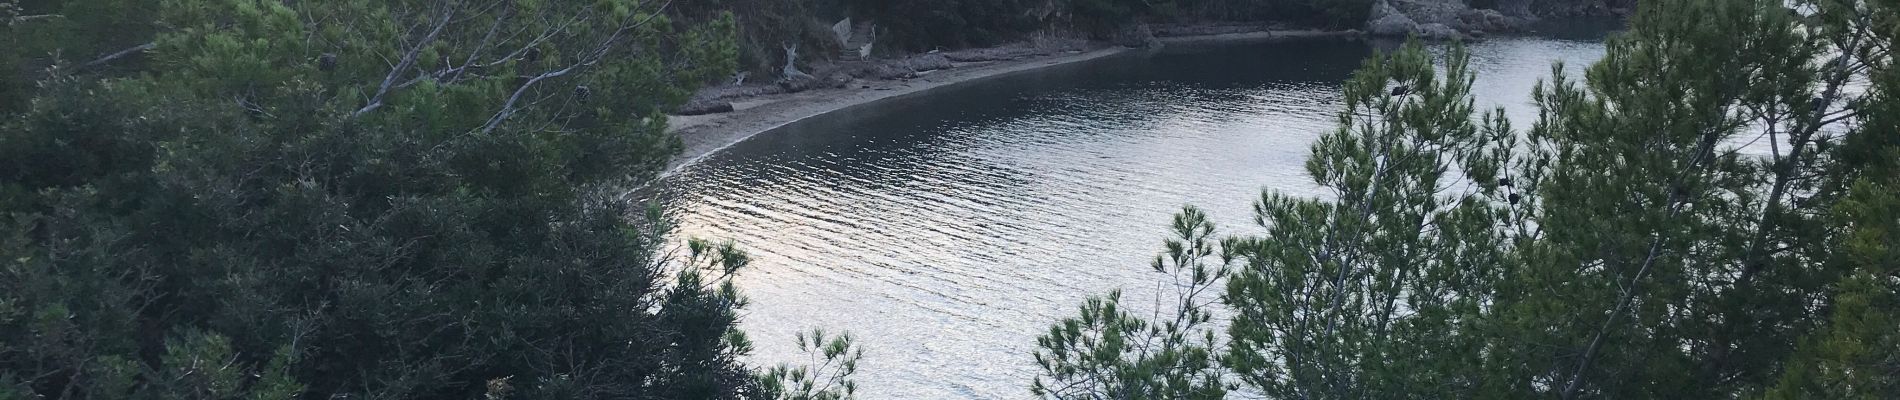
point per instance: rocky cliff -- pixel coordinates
(1457, 19)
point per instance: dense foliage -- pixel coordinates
(1709, 213)
(923, 25)
(362, 199)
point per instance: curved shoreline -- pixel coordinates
(705, 135)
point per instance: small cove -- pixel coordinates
(946, 231)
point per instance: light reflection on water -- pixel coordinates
(946, 233)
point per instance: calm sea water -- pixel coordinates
(946, 233)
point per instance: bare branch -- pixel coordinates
(148, 46)
(408, 59)
(508, 108)
(25, 18)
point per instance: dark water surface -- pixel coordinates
(946, 232)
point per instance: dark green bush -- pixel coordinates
(288, 200)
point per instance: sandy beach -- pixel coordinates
(706, 134)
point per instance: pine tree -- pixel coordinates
(1856, 355)
(1660, 259)
(1364, 294)
(1108, 352)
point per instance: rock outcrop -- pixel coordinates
(1387, 21)
(1516, 8)
(1489, 21)
(1437, 19)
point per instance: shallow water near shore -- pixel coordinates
(946, 232)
